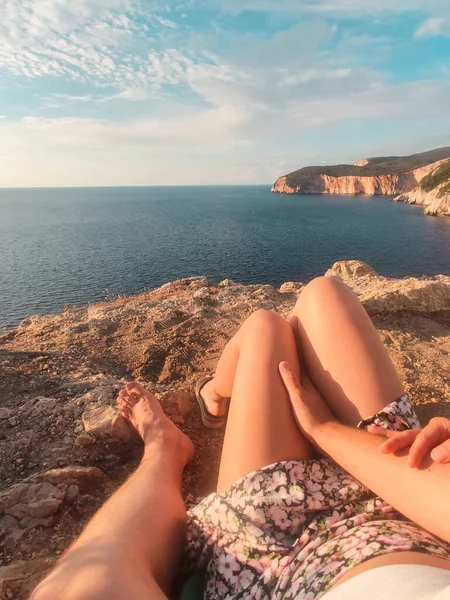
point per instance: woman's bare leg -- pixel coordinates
(133, 545)
(261, 429)
(342, 351)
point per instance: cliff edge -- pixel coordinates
(433, 192)
(64, 448)
(387, 176)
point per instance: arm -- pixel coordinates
(434, 438)
(422, 495)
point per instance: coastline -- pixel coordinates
(422, 179)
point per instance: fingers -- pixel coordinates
(428, 439)
(297, 397)
(291, 381)
(441, 454)
(398, 440)
(376, 430)
(434, 439)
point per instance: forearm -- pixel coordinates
(422, 495)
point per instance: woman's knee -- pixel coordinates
(320, 291)
(264, 321)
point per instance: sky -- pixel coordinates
(143, 92)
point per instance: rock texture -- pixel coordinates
(354, 185)
(63, 447)
(381, 294)
(370, 176)
(379, 185)
(436, 201)
(434, 205)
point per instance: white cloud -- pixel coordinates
(133, 94)
(434, 26)
(28, 20)
(76, 151)
(168, 23)
(236, 121)
(73, 97)
(217, 94)
(91, 41)
(214, 125)
(359, 7)
(377, 6)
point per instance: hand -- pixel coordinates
(310, 410)
(434, 438)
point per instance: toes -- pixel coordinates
(125, 404)
(123, 397)
(122, 394)
(127, 400)
(131, 394)
(125, 411)
(125, 415)
(134, 388)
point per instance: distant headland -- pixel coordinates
(422, 179)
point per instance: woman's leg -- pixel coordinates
(261, 429)
(133, 545)
(342, 351)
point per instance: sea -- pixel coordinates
(69, 246)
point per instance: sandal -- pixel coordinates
(208, 420)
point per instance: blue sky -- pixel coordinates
(142, 92)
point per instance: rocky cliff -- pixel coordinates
(374, 176)
(433, 191)
(63, 447)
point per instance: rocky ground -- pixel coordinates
(63, 447)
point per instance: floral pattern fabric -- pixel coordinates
(291, 529)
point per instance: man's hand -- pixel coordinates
(311, 411)
(434, 438)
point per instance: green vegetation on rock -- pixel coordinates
(440, 176)
(376, 166)
(444, 190)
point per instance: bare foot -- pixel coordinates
(143, 410)
(216, 405)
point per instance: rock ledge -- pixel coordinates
(64, 448)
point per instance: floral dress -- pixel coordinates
(292, 529)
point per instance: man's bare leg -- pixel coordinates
(132, 547)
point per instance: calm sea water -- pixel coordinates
(73, 246)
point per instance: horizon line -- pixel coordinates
(74, 187)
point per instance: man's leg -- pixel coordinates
(342, 351)
(261, 429)
(132, 547)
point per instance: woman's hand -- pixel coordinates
(434, 438)
(311, 411)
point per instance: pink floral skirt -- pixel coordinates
(292, 529)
